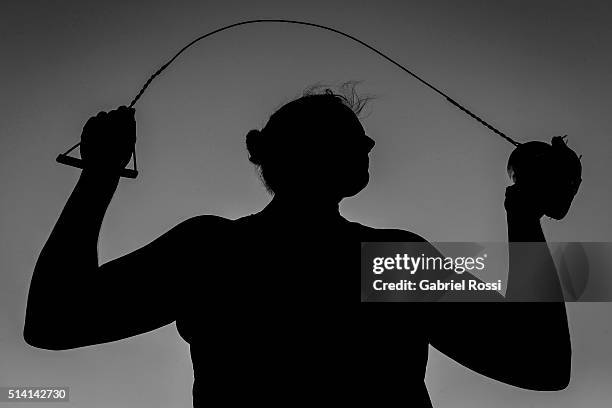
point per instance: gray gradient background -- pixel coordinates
(534, 69)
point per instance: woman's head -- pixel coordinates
(314, 144)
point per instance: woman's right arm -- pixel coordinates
(74, 302)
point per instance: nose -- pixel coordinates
(369, 143)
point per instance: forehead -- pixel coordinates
(344, 117)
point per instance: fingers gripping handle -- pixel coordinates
(64, 158)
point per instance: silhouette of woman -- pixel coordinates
(265, 301)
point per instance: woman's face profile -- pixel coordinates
(340, 159)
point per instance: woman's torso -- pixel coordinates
(271, 316)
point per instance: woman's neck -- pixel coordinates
(303, 209)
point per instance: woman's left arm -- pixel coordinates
(525, 340)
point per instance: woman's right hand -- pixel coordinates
(108, 139)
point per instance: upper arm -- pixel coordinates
(137, 292)
(496, 338)
(524, 344)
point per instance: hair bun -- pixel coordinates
(253, 142)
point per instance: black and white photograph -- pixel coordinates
(190, 189)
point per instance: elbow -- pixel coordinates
(40, 338)
(543, 369)
(41, 328)
(560, 371)
(561, 378)
(45, 342)
(37, 333)
(552, 375)
(543, 380)
(552, 382)
(553, 364)
(35, 339)
(561, 384)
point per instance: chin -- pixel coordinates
(558, 213)
(356, 185)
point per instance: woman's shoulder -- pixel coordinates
(212, 219)
(203, 227)
(210, 223)
(204, 220)
(372, 234)
(216, 224)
